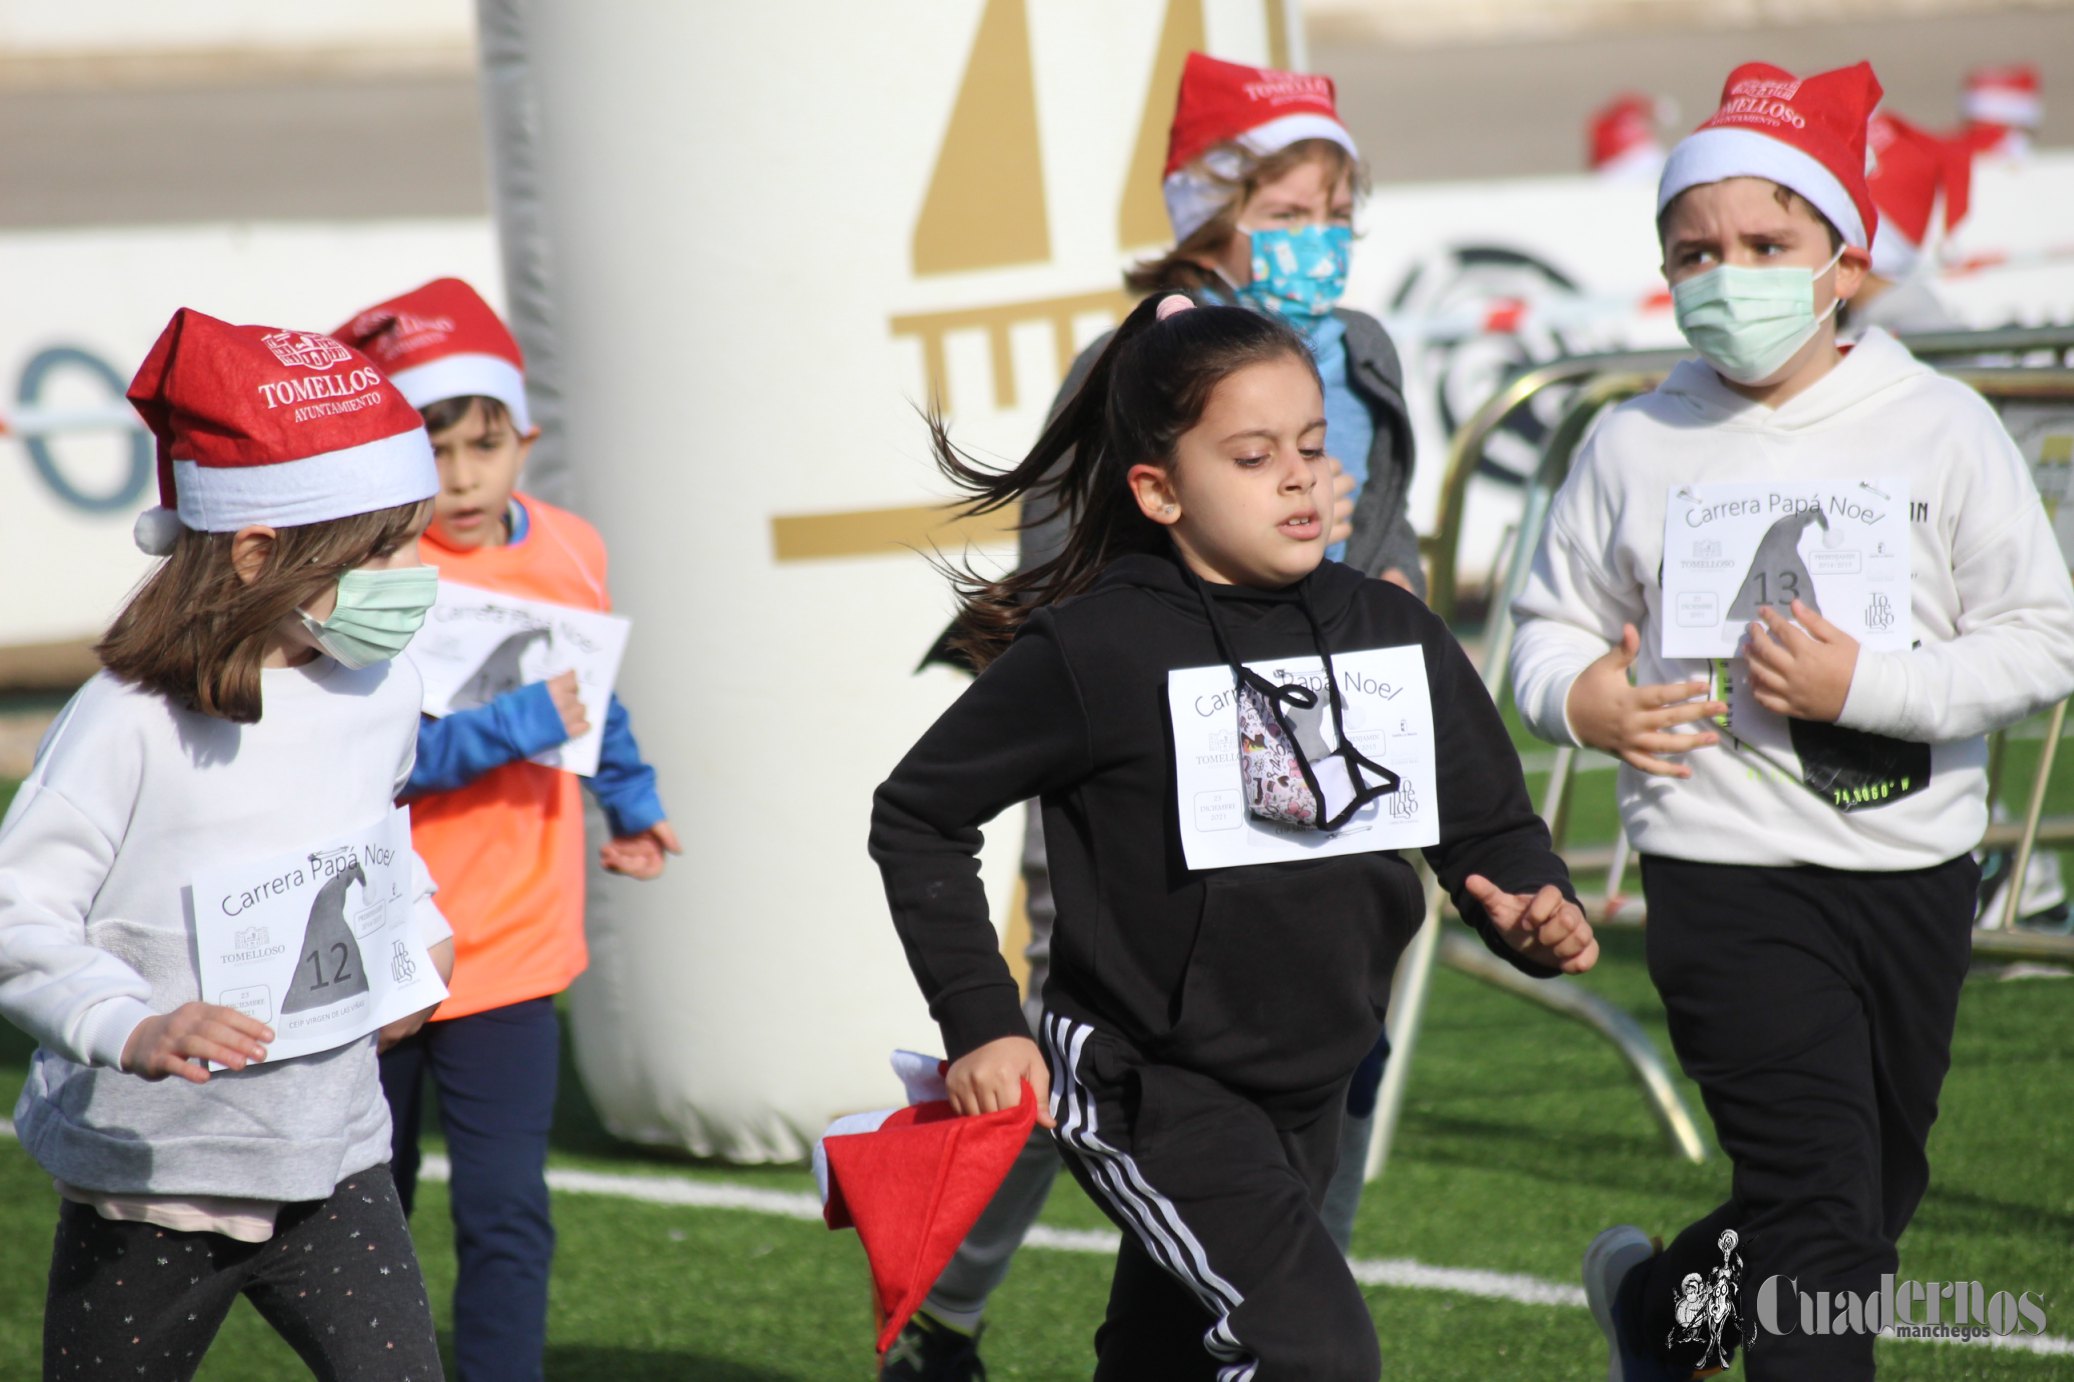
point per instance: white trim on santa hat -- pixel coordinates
(382, 474)
(466, 376)
(1193, 197)
(2004, 105)
(1711, 155)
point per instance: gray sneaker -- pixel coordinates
(1607, 1263)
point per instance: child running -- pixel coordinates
(1200, 1025)
(248, 708)
(1261, 187)
(504, 835)
(1803, 800)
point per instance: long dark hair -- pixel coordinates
(1147, 388)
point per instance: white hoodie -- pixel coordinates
(1993, 611)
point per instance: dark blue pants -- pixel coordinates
(495, 1072)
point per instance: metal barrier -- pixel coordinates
(1601, 381)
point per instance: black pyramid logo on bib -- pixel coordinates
(500, 671)
(329, 969)
(1778, 575)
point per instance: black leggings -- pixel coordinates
(1815, 1010)
(339, 1280)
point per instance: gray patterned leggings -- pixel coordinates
(339, 1280)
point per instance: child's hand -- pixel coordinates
(562, 689)
(402, 1029)
(990, 1078)
(170, 1043)
(1547, 927)
(1630, 722)
(640, 856)
(1342, 503)
(1804, 672)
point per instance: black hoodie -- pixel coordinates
(1270, 977)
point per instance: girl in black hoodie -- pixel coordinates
(1200, 1025)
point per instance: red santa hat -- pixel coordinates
(260, 425)
(1803, 133)
(1623, 137)
(1260, 109)
(443, 341)
(913, 1181)
(2005, 95)
(1913, 172)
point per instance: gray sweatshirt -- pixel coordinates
(130, 796)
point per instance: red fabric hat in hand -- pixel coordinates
(1803, 133)
(260, 425)
(1261, 109)
(443, 341)
(912, 1182)
(1623, 138)
(1912, 170)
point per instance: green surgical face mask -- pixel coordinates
(378, 613)
(1747, 323)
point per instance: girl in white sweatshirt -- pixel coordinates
(247, 712)
(1792, 590)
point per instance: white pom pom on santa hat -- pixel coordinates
(157, 530)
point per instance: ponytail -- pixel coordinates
(1148, 386)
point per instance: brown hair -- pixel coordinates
(1782, 194)
(450, 412)
(1148, 387)
(1180, 269)
(195, 632)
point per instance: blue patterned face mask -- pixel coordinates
(1298, 274)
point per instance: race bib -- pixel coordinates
(320, 944)
(1388, 713)
(1730, 549)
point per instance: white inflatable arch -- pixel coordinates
(742, 241)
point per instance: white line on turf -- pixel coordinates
(1402, 1272)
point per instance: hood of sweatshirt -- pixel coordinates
(1875, 365)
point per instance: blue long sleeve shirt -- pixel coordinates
(456, 749)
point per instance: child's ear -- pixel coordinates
(251, 550)
(1153, 488)
(1850, 273)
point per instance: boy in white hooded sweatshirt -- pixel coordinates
(1804, 805)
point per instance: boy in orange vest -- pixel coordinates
(502, 835)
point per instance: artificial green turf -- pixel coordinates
(1522, 1136)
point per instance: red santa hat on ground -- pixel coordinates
(912, 1182)
(260, 425)
(1913, 173)
(1623, 140)
(443, 341)
(2005, 96)
(1260, 109)
(1806, 134)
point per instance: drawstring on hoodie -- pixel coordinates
(1279, 697)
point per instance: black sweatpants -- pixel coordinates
(339, 1280)
(1226, 1270)
(1814, 1008)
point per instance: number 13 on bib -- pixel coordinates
(1730, 549)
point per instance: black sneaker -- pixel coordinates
(928, 1350)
